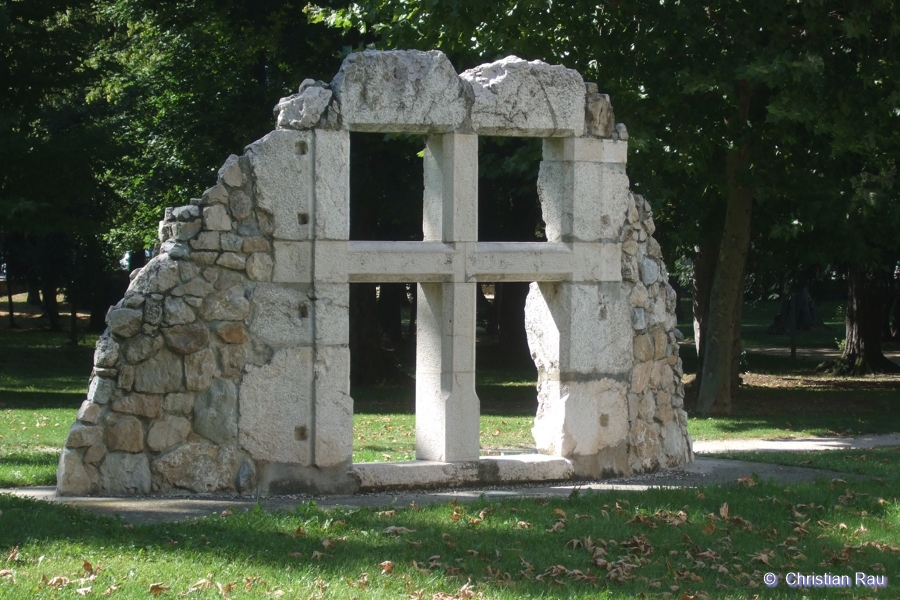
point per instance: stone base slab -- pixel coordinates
(423, 474)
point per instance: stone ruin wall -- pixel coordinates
(225, 368)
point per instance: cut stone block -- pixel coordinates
(280, 315)
(275, 410)
(447, 408)
(333, 426)
(400, 90)
(282, 169)
(517, 97)
(293, 262)
(125, 474)
(451, 188)
(332, 185)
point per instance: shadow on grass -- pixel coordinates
(256, 538)
(35, 400)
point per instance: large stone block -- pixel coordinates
(200, 467)
(303, 109)
(517, 97)
(583, 201)
(82, 436)
(216, 412)
(293, 262)
(275, 408)
(127, 435)
(198, 369)
(71, 477)
(333, 429)
(280, 315)
(332, 185)
(143, 405)
(167, 432)
(283, 175)
(332, 310)
(125, 474)
(106, 352)
(226, 305)
(160, 374)
(186, 339)
(400, 90)
(159, 275)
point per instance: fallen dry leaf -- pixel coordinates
(226, 513)
(723, 510)
(395, 530)
(298, 532)
(13, 554)
(158, 588)
(56, 581)
(203, 584)
(109, 591)
(85, 591)
(746, 481)
(386, 513)
(387, 567)
(523, 525)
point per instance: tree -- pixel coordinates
(56, 148)
(715, 97)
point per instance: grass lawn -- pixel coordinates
(716, 542)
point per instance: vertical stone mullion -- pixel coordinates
(447, 408)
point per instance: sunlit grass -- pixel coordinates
(714, 542)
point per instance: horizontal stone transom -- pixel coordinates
(368, 261)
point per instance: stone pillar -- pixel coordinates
(330, 218)
(447, 408)
(579, 332)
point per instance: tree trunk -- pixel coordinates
(736, 347)
(725, 298)
(704, 271)
(895, 318)
(51, 306)
(34, 292)
(862, 347)
(9, 300)
(369, 362)
(805, 316)
(73, 324)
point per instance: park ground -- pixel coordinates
(712, 541)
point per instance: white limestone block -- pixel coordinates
(598, 322)
(580, 417)
(275, 408)
(585, 150)
(447, 407)
(531, 467)
(450, 211)
(333, 430)
(304, 109)
(517, 97)
(332, 185)
(293, 262)
(400, 262)
(283, 173)
(583, 201)
(331, 312)
(400, 90)
(414, 474)
(280, 315)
